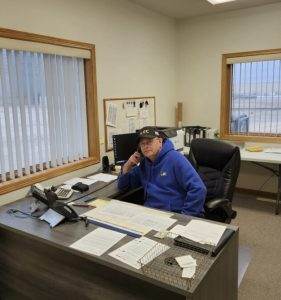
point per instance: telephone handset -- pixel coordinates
(62, 208)
(139, 151)
(49, 197)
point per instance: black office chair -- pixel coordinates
(218, 164)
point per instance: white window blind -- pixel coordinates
(42, 112)
(256, 98)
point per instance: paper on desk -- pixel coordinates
(120, 208)
(73, 181)
(52, 217)
(200, 231)
(186, 261)
(188, 272)
(121, 222)
(158, 223)
(98, 241)
(98, 202)
(131, 216)
(103, 177)
(273, 150)
(132, 252)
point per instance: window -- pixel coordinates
(251, 96)
(48, 109)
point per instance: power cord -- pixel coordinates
(20, 214)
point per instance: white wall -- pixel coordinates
(135, 49)
(201, 42)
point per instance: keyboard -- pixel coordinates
(63, 193)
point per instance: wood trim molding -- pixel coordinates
(226, 76)
(10, 186)
(91, 104)
(252, 53)
(225, 98)
(32, 37)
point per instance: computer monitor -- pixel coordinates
(124, 145)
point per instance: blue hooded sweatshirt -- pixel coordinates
(169, 182)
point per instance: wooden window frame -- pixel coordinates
(91, 107)
(226, 80)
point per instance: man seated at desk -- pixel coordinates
(168, 179)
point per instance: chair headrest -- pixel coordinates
(212, 153)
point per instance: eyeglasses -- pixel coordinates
(147, 142)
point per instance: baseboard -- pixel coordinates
(256, 193)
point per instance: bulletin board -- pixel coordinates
(126, 115)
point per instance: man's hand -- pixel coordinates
(132, 161)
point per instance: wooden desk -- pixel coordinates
(36, 262)
(259, 159)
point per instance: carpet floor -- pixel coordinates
(259, 236)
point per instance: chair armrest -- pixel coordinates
(217, 202)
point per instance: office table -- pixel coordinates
(259, 159)
(36, 262)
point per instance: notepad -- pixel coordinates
(98, 241)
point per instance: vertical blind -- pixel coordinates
(42, 112)
(256, 98)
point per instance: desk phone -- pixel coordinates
(63, 192)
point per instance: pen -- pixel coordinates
(83, 205)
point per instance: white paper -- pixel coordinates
(103, 177)
(125, 215)
(273, 150)
(188, 272)
(73, 181)
(143, 113)
(111, 116)
(132, 252)
(157, 223)
(131, 122)
(98, 241)
(52, 217)
(131, 110)
(200, 231)
(186, 261)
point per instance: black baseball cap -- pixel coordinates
(149, 132)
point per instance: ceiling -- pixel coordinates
(190, 8)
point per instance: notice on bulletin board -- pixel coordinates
(111, 119)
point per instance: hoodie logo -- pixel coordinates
(163, 173)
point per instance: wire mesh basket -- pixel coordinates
(159, 263)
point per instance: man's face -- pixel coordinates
(150, 147)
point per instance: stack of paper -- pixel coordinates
(200, 231)
(73, 181)
(131, 216)
(98, 241)
(103, 177)
(188, 264)
(132, 252)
